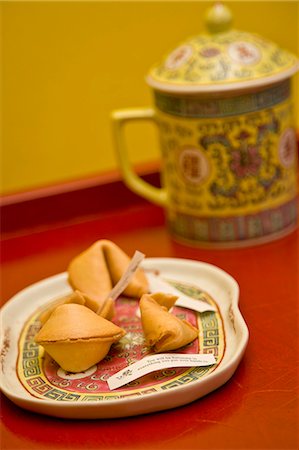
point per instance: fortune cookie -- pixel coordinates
(107, 309)
(74, 297)
(163, 299)
(162, 330)
(95, 271)
(76, 337)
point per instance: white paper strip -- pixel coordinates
(126, 277)
(157, 362)
(156, 284)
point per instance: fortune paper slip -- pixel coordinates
(157, 362)
(156, 284)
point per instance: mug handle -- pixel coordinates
(131, 179)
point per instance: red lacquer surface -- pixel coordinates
(256, 409)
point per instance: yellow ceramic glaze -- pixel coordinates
(223, 105)
(229, 165)
(222, 59)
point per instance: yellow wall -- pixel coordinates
(67, 65)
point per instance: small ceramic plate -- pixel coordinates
(35, 382)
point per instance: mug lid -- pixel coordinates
(221, 60)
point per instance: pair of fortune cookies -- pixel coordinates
(76, 337)
(164, 331)
(92, 275)
(76, 329)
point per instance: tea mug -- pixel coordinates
(224, 109)
(225, 179)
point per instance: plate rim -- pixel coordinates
(227, 369)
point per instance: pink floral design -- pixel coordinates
(245, 162)
(209, 52)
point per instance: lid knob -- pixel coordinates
(218, 18)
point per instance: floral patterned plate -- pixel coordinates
(32, 380)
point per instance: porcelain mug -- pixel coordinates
(229, 164)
